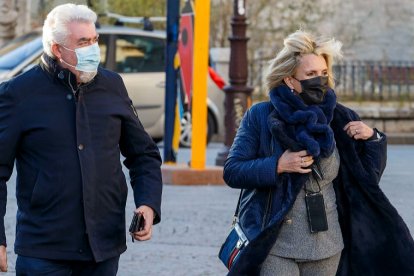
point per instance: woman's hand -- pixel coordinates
(294, 162)
(358, 130)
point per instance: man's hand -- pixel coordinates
(148, 215)
(3, 258)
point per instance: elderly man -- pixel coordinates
(65, 123)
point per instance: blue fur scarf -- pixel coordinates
(298, 126)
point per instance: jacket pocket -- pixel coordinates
(45, 190)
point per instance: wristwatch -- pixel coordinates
(376, 136)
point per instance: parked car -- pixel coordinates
(139, 57)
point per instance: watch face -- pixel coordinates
(378, 135)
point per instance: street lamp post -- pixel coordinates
(237, 94)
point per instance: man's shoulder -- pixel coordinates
(33, 73)
(108, 75)
(111, 82)
(20, 84)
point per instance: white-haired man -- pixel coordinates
(65, 123)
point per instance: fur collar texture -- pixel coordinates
(299, 126)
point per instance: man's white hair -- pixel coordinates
(55, 28)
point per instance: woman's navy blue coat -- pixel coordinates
(377, 242)
(70, 188)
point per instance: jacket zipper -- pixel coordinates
(241, 243)
(233, 256)
(75, 92)
(267, 211)
(269, 199)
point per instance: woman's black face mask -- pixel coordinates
(313, 90)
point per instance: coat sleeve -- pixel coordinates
(244, 168)
(375, 154)
(9, 137)
(142, 158)
(372, 153)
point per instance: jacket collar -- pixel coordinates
(61, 74)
(57, 72)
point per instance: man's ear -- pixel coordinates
(288, 81)
(56, 51)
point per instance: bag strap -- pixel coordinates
(236, 213)
(317, 174)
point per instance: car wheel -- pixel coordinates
(186, 129)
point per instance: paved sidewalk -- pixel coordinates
(196, 220)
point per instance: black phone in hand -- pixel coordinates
(137, 224)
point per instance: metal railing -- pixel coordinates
(358, 80)
(375, 80)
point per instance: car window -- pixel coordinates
(14, 57)
(103, 46)
(17, 42)
(139, 54)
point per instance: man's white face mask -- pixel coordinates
(88, 61)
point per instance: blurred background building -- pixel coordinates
(373, 29)
(377, 36)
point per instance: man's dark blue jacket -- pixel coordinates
(66, 142)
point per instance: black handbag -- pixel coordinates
(235, 242)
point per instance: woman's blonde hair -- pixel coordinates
(296, 45)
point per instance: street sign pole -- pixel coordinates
(173, 17)
(200, 73)
(237, 94)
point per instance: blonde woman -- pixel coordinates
(309, 170)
